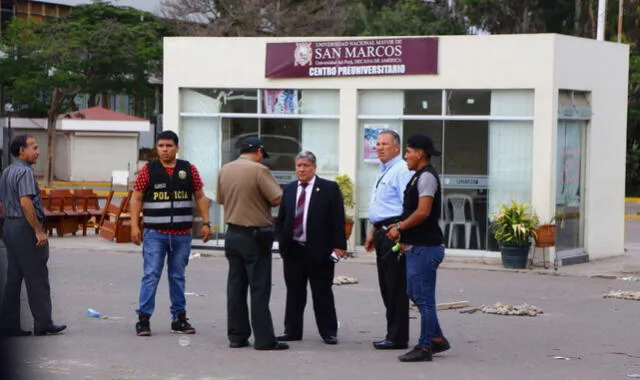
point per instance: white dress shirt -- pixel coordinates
(308, 192)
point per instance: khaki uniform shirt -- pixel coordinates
(246, 189)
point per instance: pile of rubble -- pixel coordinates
(344, 280)
(501, 309)
(623, 295)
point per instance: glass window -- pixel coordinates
(233, 132)
(468, 102)
(199, 139)
(431, 128)
(570, 185)
(573, 104)
(321, 138)
(282, 139)
(464, 183)
(226, 101)
(320, 102)
(423, 102)
(377, 102)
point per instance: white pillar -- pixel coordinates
(602, 16)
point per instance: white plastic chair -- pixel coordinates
(459, 219)
(120, 178)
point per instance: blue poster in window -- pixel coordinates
(371, 132)
(280, 102)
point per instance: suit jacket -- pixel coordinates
(325, 219)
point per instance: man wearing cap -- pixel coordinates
(422, 241)
(386, 209)
(248, 191)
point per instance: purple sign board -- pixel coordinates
(366, 57)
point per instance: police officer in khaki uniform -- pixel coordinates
(248, 191)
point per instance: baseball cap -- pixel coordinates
(424, 142)
(252, 144)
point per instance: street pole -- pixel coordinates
(620, 6)
(9, 135)
(602, 17)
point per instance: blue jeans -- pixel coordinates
(422, 264)
(154, 248)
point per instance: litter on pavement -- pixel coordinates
(623, 295)
(344, 280)
(501, 309)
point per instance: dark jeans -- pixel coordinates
(248, 251)
(393, 288)
(155, 247)
(422, 265)
(25, 262)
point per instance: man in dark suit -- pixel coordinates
(310, 226)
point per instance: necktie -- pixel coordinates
(297, 222)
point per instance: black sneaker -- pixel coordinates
(418, 354)
(182, 325)
(143, 327)
(441, 346)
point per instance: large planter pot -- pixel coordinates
(514, 256)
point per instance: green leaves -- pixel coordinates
(404, 18)
(514, 224)
(97, 48)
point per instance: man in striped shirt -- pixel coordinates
(165, 191)
(26, 242)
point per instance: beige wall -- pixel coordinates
(62, 159)
(95, 155)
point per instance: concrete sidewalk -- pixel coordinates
(627, 265)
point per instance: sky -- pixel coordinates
(145, 5)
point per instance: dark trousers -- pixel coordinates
(393, 288)
(300, 268)
(28, 262)
(248, 252)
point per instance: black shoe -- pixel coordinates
(330, 340)
(243, 343)
(182, 325)
(288, 338)
(441, 346)
(143, 327)
(418, 354)
(14, 333)
(389, 345)
(277, 346)
(51, 330)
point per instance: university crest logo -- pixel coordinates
(303, 54)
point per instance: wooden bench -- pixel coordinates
(115, 222)
(87, 201)
(61, 200)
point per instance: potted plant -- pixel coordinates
(513, 228)
(346, 188)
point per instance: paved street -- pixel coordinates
(599, 335)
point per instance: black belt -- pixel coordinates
(386, 222)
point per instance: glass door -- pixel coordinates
(570, 186)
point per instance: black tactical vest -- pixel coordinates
(427, 233)
(168, 201)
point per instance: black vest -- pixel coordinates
(427, 233)
(168, 201)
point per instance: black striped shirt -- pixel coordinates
(19, 180)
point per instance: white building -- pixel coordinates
(90, 143)
(534, 118)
